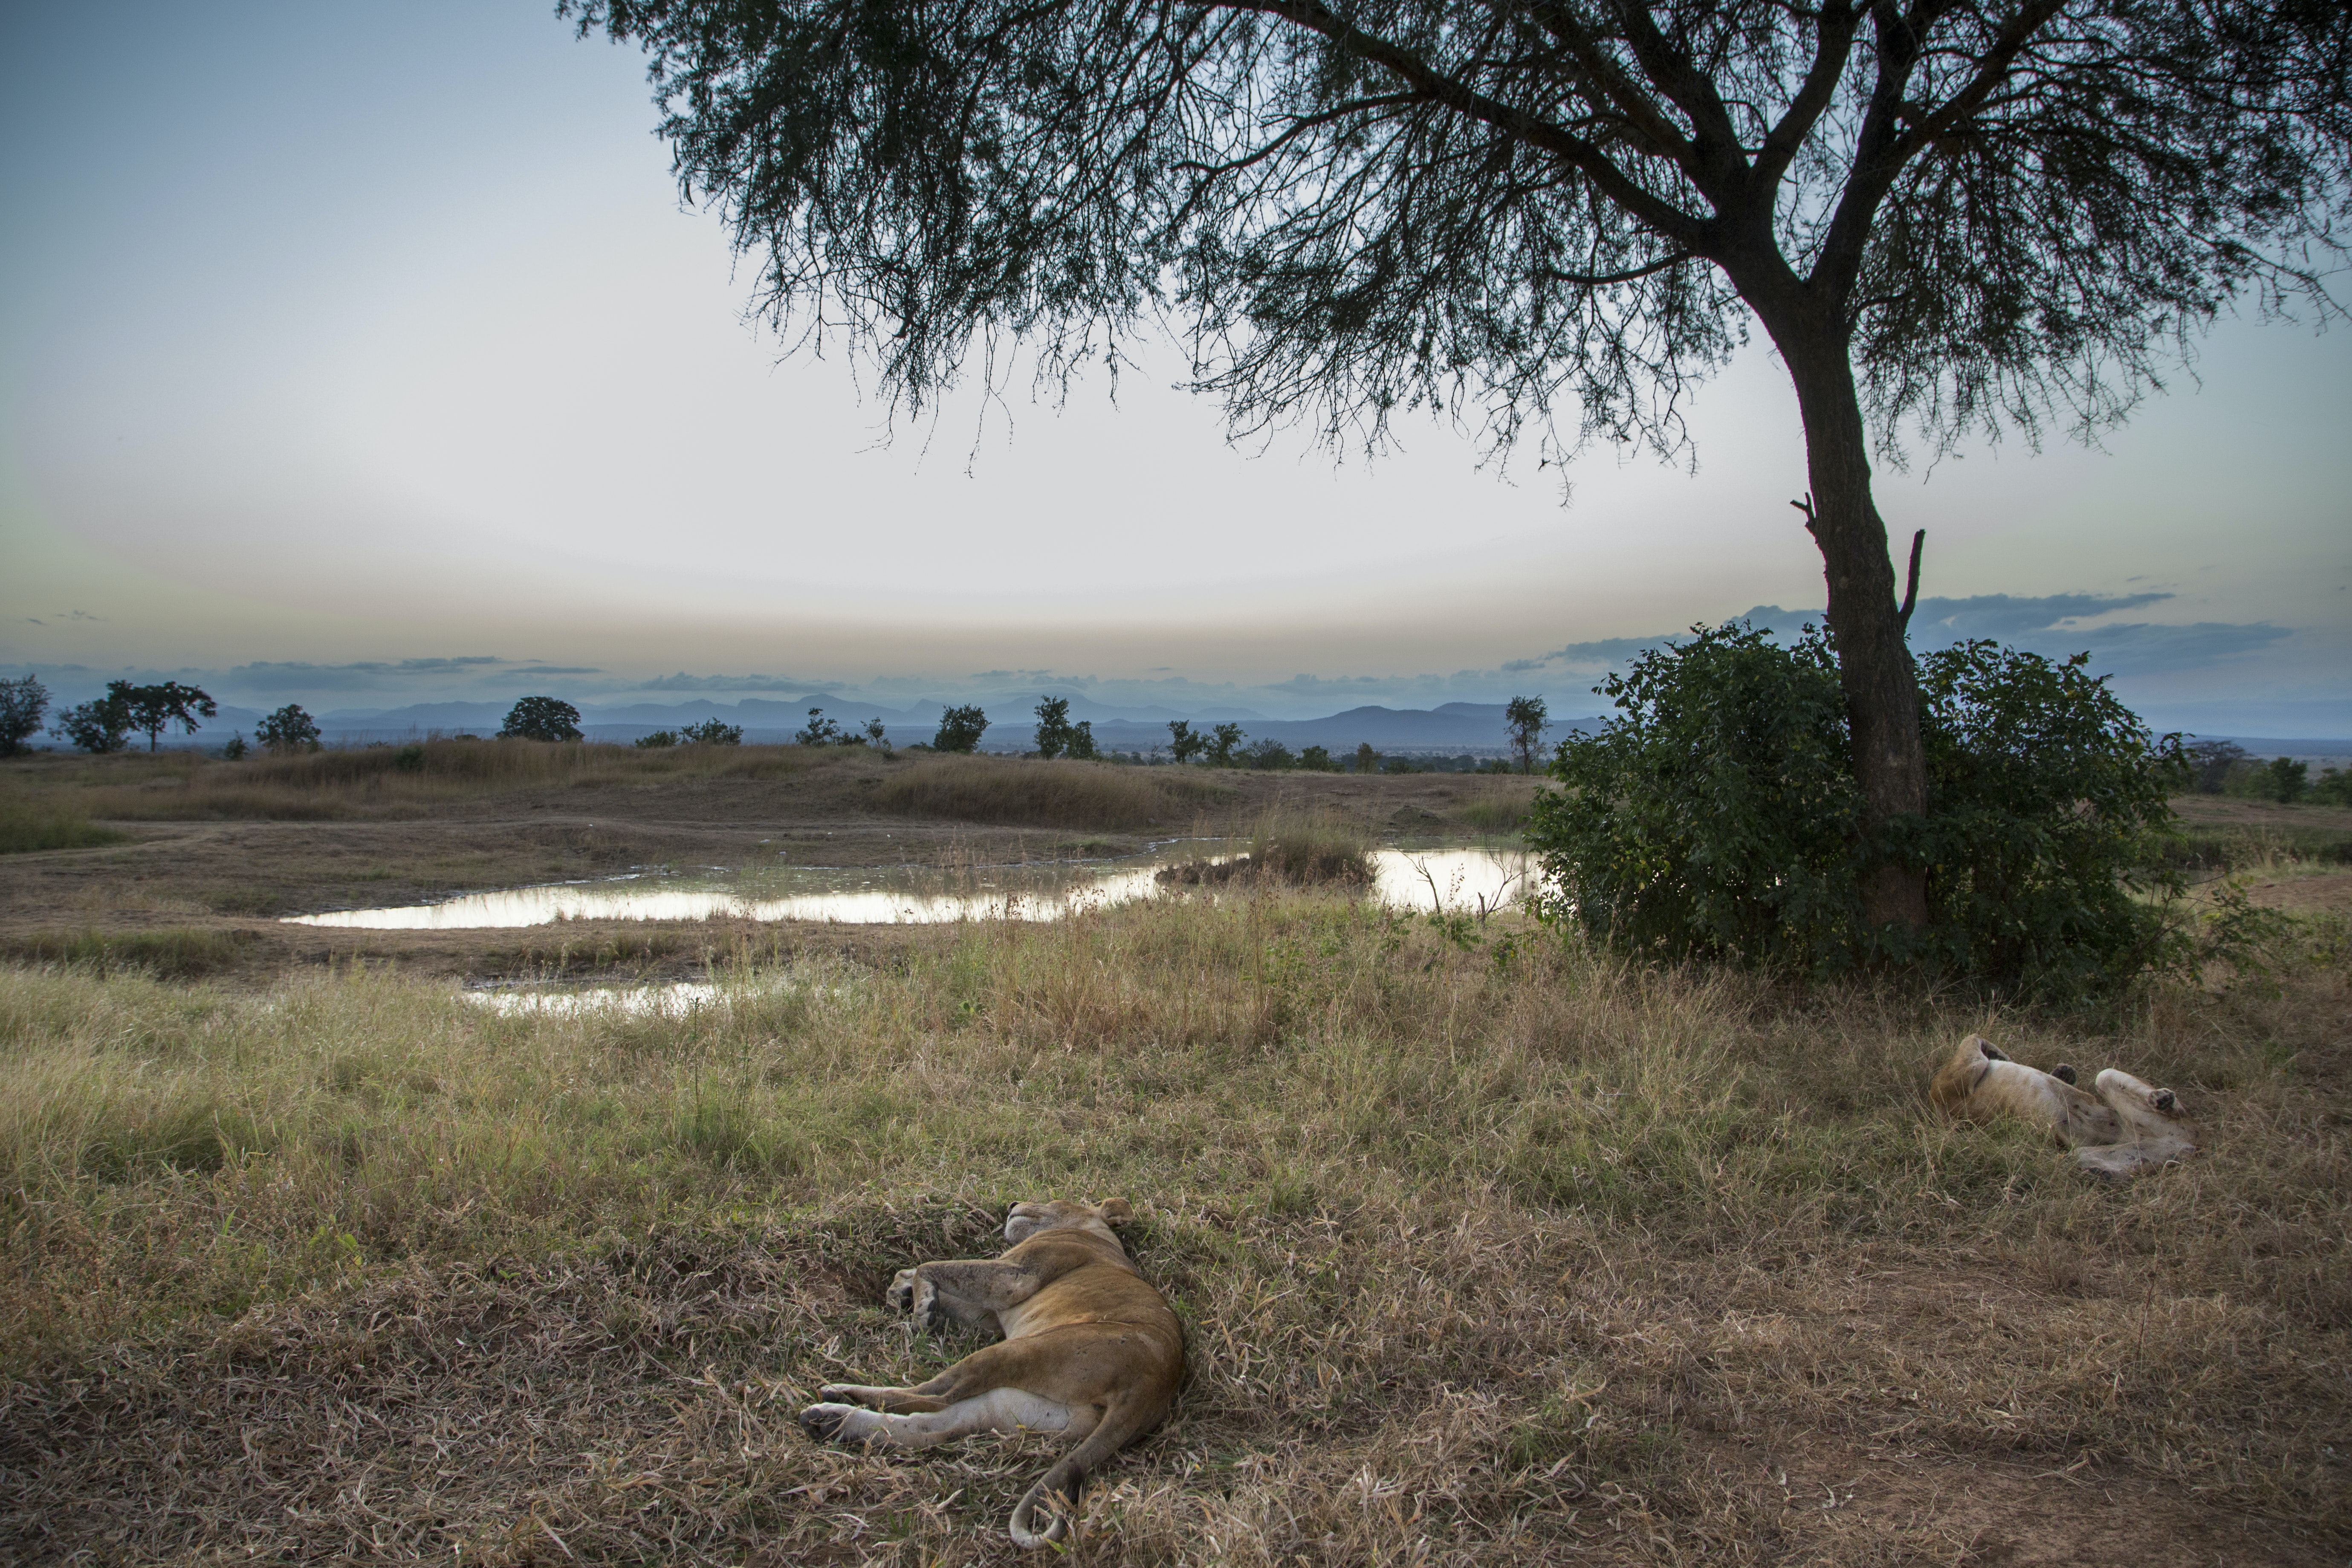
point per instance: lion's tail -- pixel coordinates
(1062, 1485)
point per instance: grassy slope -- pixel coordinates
(1480, 1259)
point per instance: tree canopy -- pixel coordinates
(541, 719)
(1517, 211)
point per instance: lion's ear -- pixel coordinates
(1115, 1211)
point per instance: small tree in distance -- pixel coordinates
(154, 709)
(1053, 729)
(713, 732)
(819, 730)
(960, 730)
(1524, 721)
(541, 719)
(23, 701)
(100, 725)
(1183, 743)
(288, 729)
(1368, 761)
(1223, 746)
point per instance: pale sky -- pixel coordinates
(340, 335)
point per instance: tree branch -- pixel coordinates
(1911, 590)
(1596, 165)
(1603, 280)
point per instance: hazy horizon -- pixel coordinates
(363, 358)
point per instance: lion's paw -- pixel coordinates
(901, 1294)
(928, 1316)
(825, 1422)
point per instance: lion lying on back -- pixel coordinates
(1090, 1350)
(2126, 1129)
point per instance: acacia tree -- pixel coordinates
(1524, 721)
(1545, 218)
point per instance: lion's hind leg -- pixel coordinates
(890, 1401)
(998, 1410)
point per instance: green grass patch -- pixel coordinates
(181, 955)
(26, 828)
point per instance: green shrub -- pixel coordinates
(960, 730)
(1718, 816)
(181, 955)
(711, 732)
(1268, 755)
(656, 740)
(2333, 787)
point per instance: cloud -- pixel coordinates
(682, 681)
(386, 675)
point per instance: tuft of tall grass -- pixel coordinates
(26, 826)
(182, 954)
(1014, 791)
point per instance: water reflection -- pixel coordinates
(1451, 878)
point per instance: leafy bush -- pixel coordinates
(1223, 744)
(541, 719)
(960, 730)
(1183, 743)
(656, 741)
(1316, 759)
(2333, 787)
(100, 725)
(1368, 761)
(2283, 780)
(288, 729)
(1718, 816)
(234, 749)
(23, 701)
(713, 732)
(1268, 755)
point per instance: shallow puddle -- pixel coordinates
(1423, 880)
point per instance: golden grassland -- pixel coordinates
(1050, 793)
(368, 782)
(1487, 1251)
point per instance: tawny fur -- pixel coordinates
(2126, 1128)
(1090, 1349)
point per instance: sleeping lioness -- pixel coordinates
(2126, 1129)
(1089, 1349)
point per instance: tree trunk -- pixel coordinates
(1882, 688)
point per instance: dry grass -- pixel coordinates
(1018, 791)
(1289, 848)
(1484, 1257)
(369, 782)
